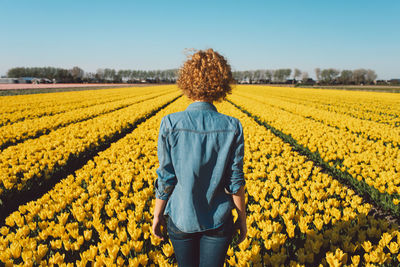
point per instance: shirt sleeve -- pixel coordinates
(166, 178)
(235, 169)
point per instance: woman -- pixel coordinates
(200, 178)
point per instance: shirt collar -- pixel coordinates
(201, 106)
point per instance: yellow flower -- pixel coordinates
(168, 250)
(134, 262)
(339, 254)
(4, 230)
(318, 223)
(113, 251)
(290, 228)
(41, 252)
(15, 250)
(143, 259)
(10, 221)
(27, 256)
(230, 252)
(232, 261)
(56, 244)
(355, 259)
(332, 260)
(137, 245)
(87, 234)
(57, 259)
(245, 244)
(92, 252)
(385, 239)
(367, 246)
(125, 249)
(393, 247)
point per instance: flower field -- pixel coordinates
(317, 163)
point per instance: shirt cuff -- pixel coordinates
(163, 192)
(234, 188)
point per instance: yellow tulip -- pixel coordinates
(57, 259)
(15, 250)
(393, 247)
(87, 234)
(367, 246)
(112, 252)
(167, 249)
(332, 260)
(41, 252)
(125, 249)
(27, 257)
(138, 245)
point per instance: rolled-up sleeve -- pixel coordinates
(235, 177)
(166, 178)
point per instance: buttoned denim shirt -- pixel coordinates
(200, 153)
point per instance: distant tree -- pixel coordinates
(359, 76)
(61, 75)
(237, 75)
(110, 74)
(247, 76)
(16, 73)
(89, 77)
(286, 74)
(318, 73)
(77, 73)
(100, 76)
(296, 74)
(371, 76)
(277, 76)
(269, 74)
(305, 76)
(328, 76)
(280, 75)
(259, 75)
(345, 77)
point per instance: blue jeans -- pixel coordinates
(202, 249)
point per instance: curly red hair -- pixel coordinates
(206, 76)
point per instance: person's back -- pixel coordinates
(201, 143)
(200, 177)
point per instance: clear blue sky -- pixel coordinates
(153, 34)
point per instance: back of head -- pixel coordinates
(205, 76)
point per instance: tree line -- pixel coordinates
(108, 75)
(323, 76)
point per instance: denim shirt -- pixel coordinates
(200, 152)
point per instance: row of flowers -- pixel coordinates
(22, 107)
(369, 161)
(34, 161)
(370, 106)
(387, 135)
(32, 128)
